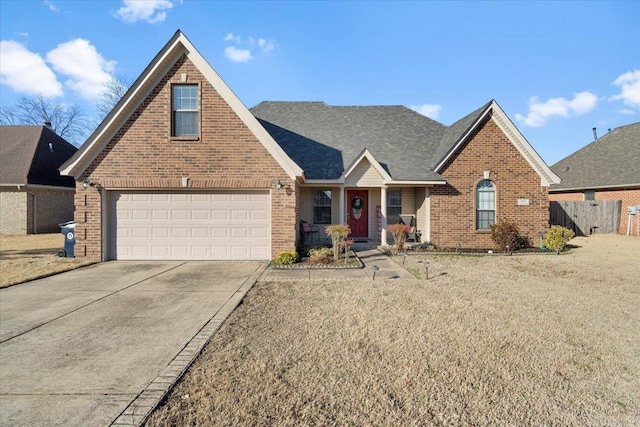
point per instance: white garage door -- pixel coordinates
(230, 225)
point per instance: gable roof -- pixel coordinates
(25, 156)
(613, 160)
(325, 140)
(177, 46)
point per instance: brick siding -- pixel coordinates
(453, 216)
(51, 208)
(629, 197)
(143, 154)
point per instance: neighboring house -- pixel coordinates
(606, 169)
(181, 169)
(34, 197)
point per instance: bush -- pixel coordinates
(286, 258)
(506, 232)
(558, 237)
(319, 255)
(399, 232)
(338, 233)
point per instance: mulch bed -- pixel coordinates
(331, 264)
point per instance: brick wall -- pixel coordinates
(48, 207)
(144, 155)
(13, 212)
(453, 216)
(629, 197)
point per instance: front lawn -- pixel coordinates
(521, 340)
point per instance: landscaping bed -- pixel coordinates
(305, 263)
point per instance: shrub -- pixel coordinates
(338, 233)
(506, 232)
(399, 232)
(319, 255)
(558, 237)
(287, 258)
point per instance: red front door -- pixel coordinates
(357, 212)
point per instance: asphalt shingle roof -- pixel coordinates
(25, 157)
(611, 160)
(324, 140)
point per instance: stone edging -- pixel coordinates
(293, 267)
(136, 413)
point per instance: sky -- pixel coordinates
(557, 69)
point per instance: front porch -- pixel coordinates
(367, 210)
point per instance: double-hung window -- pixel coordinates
(394, 206)
(322, 206)
(185, 110)
(485, 205)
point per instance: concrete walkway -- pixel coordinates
(386, 270)
(101, 345)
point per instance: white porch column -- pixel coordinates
(341, 205)
(383, 220)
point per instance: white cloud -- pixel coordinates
(238, 55)
(86, 69)
(630, 89)
(26, 72)
(265, 45)
(52, 7)
(626, 111)
(152, 11)
(242, 53)
(430, 110)
(540, 112)
(231, 37)
(22, 34)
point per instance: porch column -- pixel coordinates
(383, 220)
(341, 205)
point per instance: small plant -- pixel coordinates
(319, 255)
(399, 232)
(506, 232)
(346, 244)
(338, 233)
(558, 237)
(286, 258)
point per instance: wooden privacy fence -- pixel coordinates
(589, 217)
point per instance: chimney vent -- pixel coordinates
(47, 125)
(595, 133)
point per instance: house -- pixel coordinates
(606, 169)
(34, 197)
(181, 169)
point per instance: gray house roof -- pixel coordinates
(27, 158)
(324, 140)
(613, 160)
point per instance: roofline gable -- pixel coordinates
(366, 154)
(142, 87)
(547, 177)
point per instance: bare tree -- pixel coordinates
(67, 121)
(113, 91)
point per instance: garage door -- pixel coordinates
(189, 226)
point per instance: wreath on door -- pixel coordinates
(356, 203)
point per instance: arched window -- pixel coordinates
(485, 205)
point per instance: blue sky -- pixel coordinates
(558, 69)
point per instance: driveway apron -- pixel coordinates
(79, 347)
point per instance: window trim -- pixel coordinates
(477, 192)
(314, 206)
(198, 112)
(389, 205)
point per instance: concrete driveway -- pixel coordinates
(78, 348)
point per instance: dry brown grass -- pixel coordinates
(29, 257)
(531, 340)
